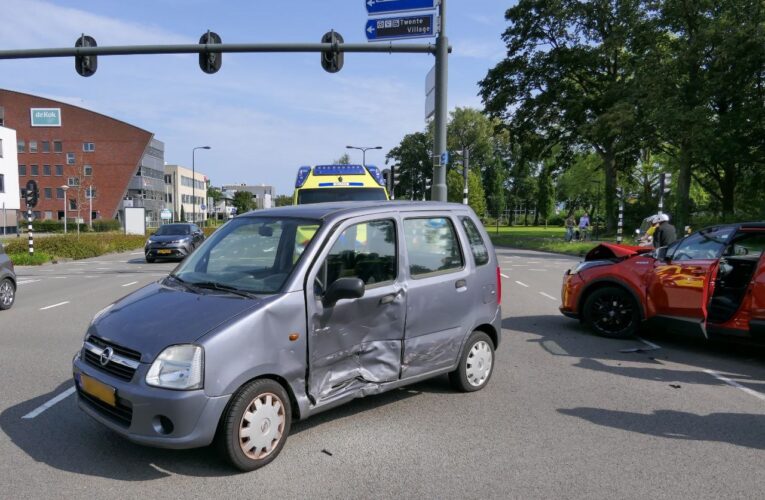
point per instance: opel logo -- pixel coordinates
(106, 356)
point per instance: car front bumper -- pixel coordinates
(142, 412)
(174, 251)
(570, 292)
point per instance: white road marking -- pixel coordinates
(57, 399)
(131, 283)
(504, 275)
(519, 265)
(26, 282)
(54, 305)
(554, 348)
(543, 270)
(58, 277)
(543, 294)
(103, 268)
(735, 384)
(522, 284)
(137, 253)
(649, 344)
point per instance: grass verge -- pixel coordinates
(548, 239)
(27, 259)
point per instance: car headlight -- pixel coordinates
(589, 264)
(178, 367)
(148, 242)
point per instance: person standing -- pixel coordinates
(665, 233)
(570, 223)
(584, 226)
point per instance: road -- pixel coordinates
(566, 414)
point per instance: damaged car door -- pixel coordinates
(355, 342)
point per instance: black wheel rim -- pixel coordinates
(612, 313)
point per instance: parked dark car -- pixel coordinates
(173, 241)
(259, 326)
(7, 280)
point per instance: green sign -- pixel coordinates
(46, 117)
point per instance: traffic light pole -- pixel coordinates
(29, 230)
(438, 192)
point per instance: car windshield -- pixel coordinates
(323, 195)
(251, 254)
(173, 229)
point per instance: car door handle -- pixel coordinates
(387, 299)
(460, 284)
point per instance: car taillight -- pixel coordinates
(499, 286)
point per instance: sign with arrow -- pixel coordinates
(391, 28)
(375, 7)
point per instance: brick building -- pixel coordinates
(72, 152)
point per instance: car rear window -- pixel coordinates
(477, 246)
(432, 246)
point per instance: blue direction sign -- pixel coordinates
(375, 7)
(400, 27)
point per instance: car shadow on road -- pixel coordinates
(739, 429)
(63, 437)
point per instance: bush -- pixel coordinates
(87, 245)
(47, 226)
(105, 225)
(27, 259)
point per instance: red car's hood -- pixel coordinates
(606, 251)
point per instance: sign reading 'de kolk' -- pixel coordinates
(46, 117)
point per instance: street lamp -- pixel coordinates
(194, 183)
(363, 150)
(64, 188)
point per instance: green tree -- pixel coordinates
(345, 159)
(476, 196)
(243, 202)
(412, 158)
(215, 194)
(282, 200)
(183, 215)
(568, 77)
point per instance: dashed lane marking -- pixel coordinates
(131, 283)
(26, 282)
(54, 305)
(522, 284)
(543, 294)
(504, 275)
(735, 384)
(45, 406)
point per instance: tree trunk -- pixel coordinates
(682, 207)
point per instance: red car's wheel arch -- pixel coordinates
(603, 282)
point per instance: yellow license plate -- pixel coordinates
(98, 389)
(163, 252)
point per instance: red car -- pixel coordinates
(710, 282)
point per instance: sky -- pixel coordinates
(263, 115)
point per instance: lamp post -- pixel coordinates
(64, 188)
(363, 150)
(194, 183)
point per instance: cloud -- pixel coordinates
(492, 50)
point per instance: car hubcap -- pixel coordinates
(262, 426)
(479, 362)
(6, 293)
(612, 313)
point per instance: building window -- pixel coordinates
(59, 170)
(48, 215)
(48, 193)
(88, 147)
(35, 170)
(2, 183)
(33, 146)
(22, 170)
(72, 204)
(88, 170)
(36, 214)
(20, 146)
(59, 193)
(46, 170)
(73, 181)
(45, 146)
(91, 192)
(1, 148)
(57, 147)
(70, 158)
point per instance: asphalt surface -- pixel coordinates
(565, 415)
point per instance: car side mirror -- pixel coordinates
(660, 253)
(343, 288)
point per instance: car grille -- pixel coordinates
(121, 414)
(124, 361)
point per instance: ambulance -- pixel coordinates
(325, 183)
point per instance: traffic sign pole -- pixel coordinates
(438, 192)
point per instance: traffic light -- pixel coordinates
(666, 178)
(395, 175)
(32, 194)
(210, 62)
(386, 178)
(332, 60)
(85, 65)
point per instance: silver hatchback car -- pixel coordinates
(7, 280)
(284, 313)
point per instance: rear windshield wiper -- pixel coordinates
(214, 285)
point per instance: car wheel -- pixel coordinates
(7, 294)
(476, 364)
(612, 312)
(255, 425)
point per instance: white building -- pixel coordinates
(262, 194)
(10, 197)
(183, 192)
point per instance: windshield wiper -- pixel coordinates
(184, 283)
(214, 285)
